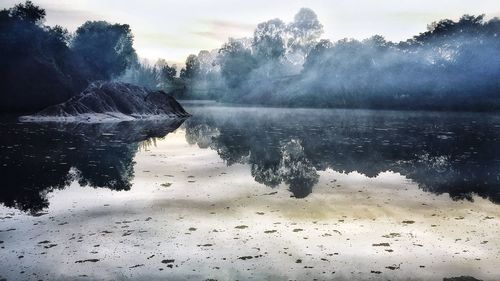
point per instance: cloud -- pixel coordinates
(71, 18)
(228, 25)
(220, 30)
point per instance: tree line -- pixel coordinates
(454, 65)
(43, 65)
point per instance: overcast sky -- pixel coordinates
(174, 29)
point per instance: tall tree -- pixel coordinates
(192, 67)
(38, 69)
(305, 30)
(167, 73)
(28, 12)
(236, 62)
(106, 48)
(268, 39)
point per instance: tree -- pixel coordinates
(28, 12)
(60, 34)
(207, 62)
(142, 74)
(236, 62)
(304, 31)
(317, 54)
(106, 48)
(192, 67)
(167, 73)
(268, 39)
(377, 42)
(38, 69)
(451, 31)
(58, 38)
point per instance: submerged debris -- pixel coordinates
(381, 245)
(87, 260)
(461, 278)
(392, 235)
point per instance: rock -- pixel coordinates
(111, 101)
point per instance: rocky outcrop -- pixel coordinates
(112, 101)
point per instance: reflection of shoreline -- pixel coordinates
(335, 218)
(444, 153)
(39, 158)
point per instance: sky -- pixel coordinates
(173, 29)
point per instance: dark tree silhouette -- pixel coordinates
(106, 48)
(168, 72)
(28, 12)
(38, 67)
(94, 155)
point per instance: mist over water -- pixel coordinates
(454, 65)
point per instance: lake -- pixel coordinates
(238, 193)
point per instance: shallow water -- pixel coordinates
(253, 193)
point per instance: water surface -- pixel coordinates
(253, 193)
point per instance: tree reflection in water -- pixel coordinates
(39, 158)
(455, 153)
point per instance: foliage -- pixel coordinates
(236, 62)
(268, 40)
(454, 65)
(106, 48)
(38, 68)
(159, 76)
(44, 65)
(28, 12)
